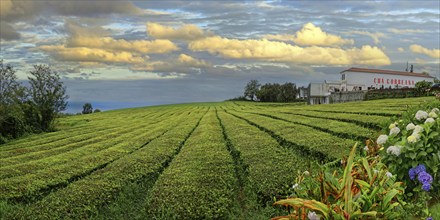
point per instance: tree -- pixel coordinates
(287, 92)
(12, 95)
(269, 92)
(277, 93)
(87, 108)
(422, 87)
(97, 110)
(251, 89)
(11, 92)
(47, 94)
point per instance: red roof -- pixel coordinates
(392, 72)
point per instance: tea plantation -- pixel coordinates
(226, 160)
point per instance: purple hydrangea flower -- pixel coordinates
(412, 173)
(424, 178)
(429, 218)
(426, 187)
(420, 168)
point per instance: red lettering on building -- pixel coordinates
(389, 81)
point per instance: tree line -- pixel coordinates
(88, 109)
(30, 109)
(269, 92)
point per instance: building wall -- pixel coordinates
(302, 92)
(378, 80)
(318, 94)
(357, 83)
(339, 97)
(318, 89)
(316, 100)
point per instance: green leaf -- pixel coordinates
(433, 134)
(414, 163)
(390, 195)
(348, 180)
(422, 154)
(367, 168)
(310, 204)
(357, 214)
(362, 183)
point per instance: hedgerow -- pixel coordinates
(268, 177)
(82, 199)
(200, 182)
(61, 153)
(368, 121)
(325, 146)
(36, 184)
(333, 127)
(33, 143)
(31, 163)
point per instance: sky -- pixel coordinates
(118, 54)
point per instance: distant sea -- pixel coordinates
(77, 106)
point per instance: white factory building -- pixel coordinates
(361, 79)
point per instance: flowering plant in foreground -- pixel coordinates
(412, 141)
(363, 189)
(413, 154)
(419, 204)
(422, 176)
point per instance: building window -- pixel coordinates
(343, 76)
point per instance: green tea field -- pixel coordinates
(225, 160)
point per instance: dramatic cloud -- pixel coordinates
(74, 30)
(95, 37)
(283, 52)
(12, 11)
(185, 32)
(310, 35)
(434, 53)
(184, 64)
(280, 37)
(84, 54)
(200, 37)
(17, 10)
(5, 7)
(90, 45)
(191, 61)
(375, 36)
(108, 43)
(406, 31)
(7, 32)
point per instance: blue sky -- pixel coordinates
(157, 52)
